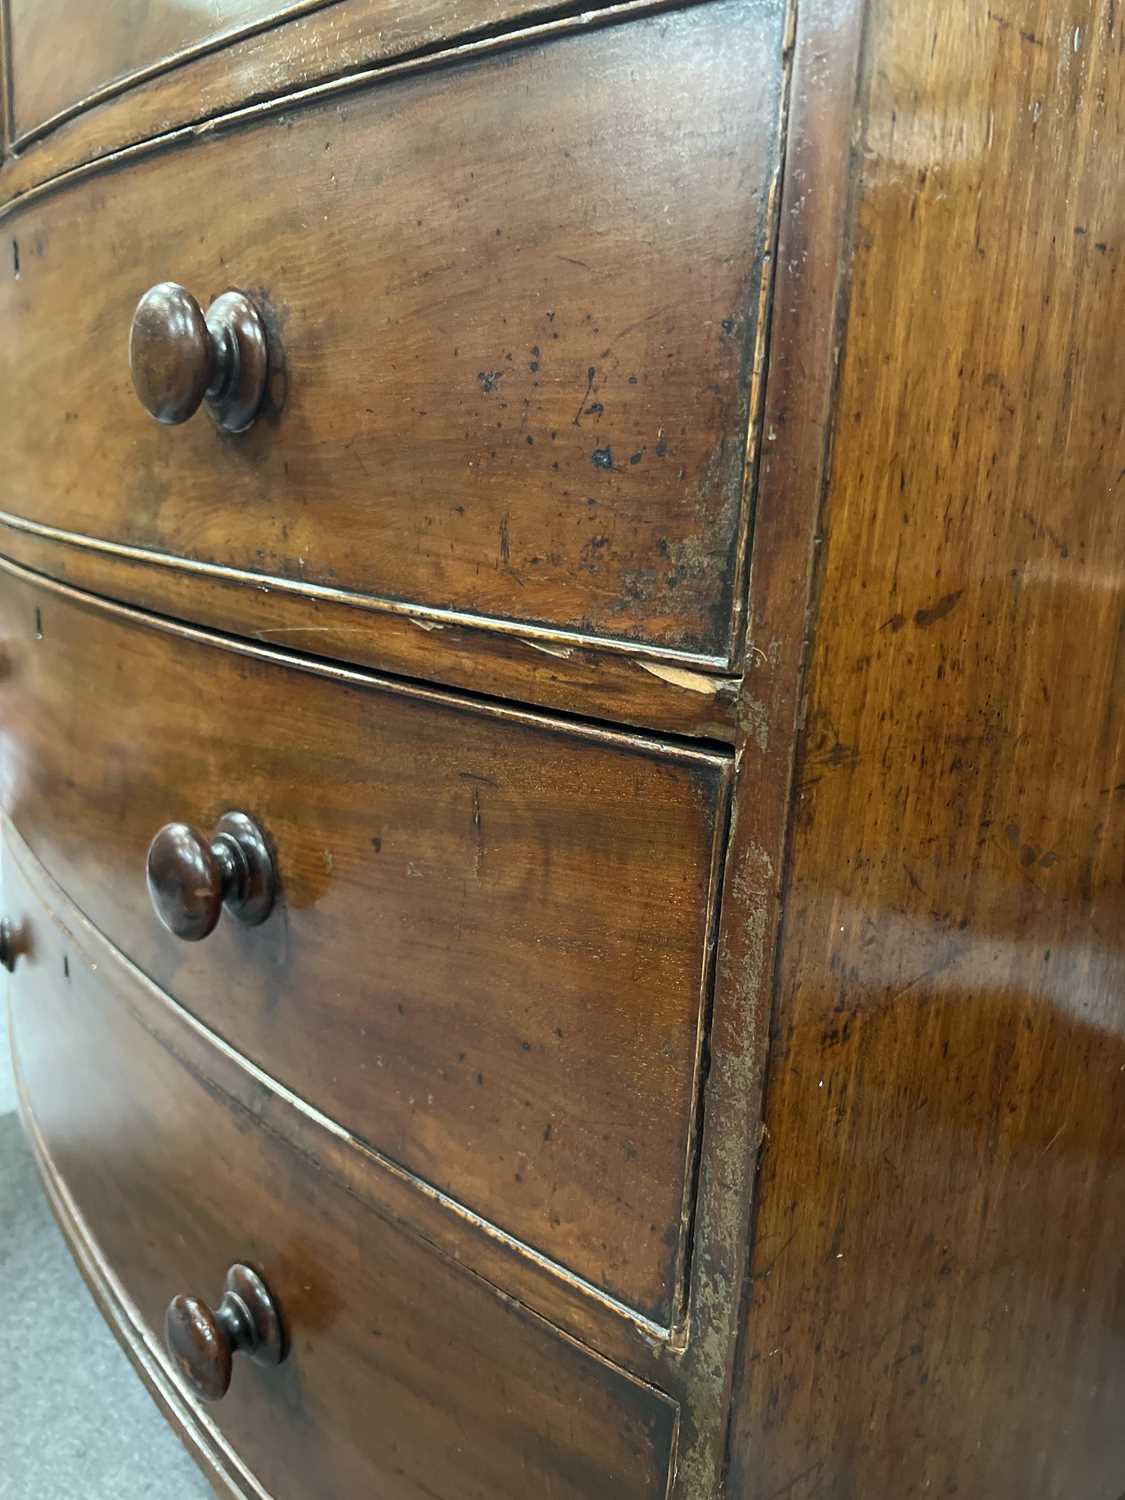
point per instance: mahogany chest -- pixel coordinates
(562, 735)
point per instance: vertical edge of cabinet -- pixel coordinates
(805, 316)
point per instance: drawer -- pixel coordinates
(405, 1377)
(512, 309)
(490, 955)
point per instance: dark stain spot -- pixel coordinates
(1012, 834)
(505, 545)
(938, 611)
(635, 458)
(632, 380)
(525, 1046)
(530, 441)
(1048, 860)
(16, 259)
(377, 844)
(728, 326)
(66, 966)
(602, 458)
(480, 1080)
(547, 1132)
(843, 755)
(595, 409)
(894, 624)
(38, 624)
(1028, 855)
(489, 380)
(534, 366)
(661, 446)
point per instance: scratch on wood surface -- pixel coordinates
(563, 651)
(694, 682)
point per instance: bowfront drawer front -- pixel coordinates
(510, 310)
(363, 1363)
(475, 937)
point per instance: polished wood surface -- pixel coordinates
(490, 957)
(936, 1298)
(107, 44)
(185, 91)
(178, 356)
(202, 1341)
(514, 383)
(405, 1376)
(525, 665)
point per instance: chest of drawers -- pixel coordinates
(474, 768)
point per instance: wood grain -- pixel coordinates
(105, 46)
(490, 956)
(404, 1375)
(569, 1304)
(138, 98)
(798, 405)
(936, 1302)
(622, 687)
(515, 383)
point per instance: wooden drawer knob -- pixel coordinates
(178, 357)
(203, 1343)
(7, 945)
(191, 878)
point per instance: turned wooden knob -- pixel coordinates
(203, 1342)
(7, 945)
(178, 356)
(191, 878)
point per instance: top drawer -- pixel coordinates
(513, 309)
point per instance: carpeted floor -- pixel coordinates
(75, 1421)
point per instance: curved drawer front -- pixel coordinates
(403, 1374)
(489, 952)
(512, 312)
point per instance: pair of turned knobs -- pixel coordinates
(190, 879)
(180, 356)
(203, 1342)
